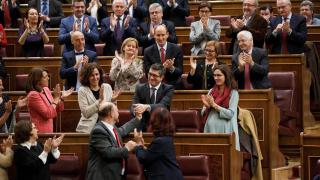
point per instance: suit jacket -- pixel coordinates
(258, 72)
(295, 40)
(105, 157)
(152, 55)
(55, 11)
(109, 37)
(15, 14)
(5, 162)
(66, 27)
(67, 70)
(198, 35)
(144, 29)
(29, 165)
(176, 14)
(41, 111)
(197, 80)
(159, 159)
(89, 107)
(140, 12)
(257, 25)
(142, 96)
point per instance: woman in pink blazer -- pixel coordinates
(42, 105)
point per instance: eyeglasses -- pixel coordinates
(209, 50)
(153, 75)
(204, 11)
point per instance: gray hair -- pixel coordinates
(307, 3)
(287, 1)
(155, 6)
(246, 34)
(123, 1)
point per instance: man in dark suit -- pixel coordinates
(166, 53)
(10, 14)
(116, 28)
(151, 95)
(147, 29)
(250, 21)
(250, 66)
(288, 31)
(73, 61)
(50, 10)
(106, 154)
(175, 11)
(78, 22)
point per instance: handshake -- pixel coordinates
(137, 141)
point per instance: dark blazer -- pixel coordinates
(176, 14)
(197, 79)
(29, 165)
(68, 72)
(15, 14)
(109, 37)
(55, 11)
(159, 160)
(105, 156)
(144, 29)
(258, 72)
(295, 41)
(142, 96)
(66, 27)
(152, 55)
(257, 26)
(140, 12)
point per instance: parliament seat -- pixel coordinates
(285, 91)
(124, 116)
(135, 170)
(186, 120)
(194, 167)
(48, 50)
(21, 80)
(189, 20)
(186, 85)
(99, 49)
(3, 52)
(225, 20)
(66, 168)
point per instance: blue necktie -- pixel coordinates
(44, 8)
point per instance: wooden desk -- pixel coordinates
(310, 153)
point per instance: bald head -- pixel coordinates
(78, 41)
(108, 112)
(161, 34)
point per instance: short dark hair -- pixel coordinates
(34, 78)
(161, 122)
(158, 67)
(229, 80)
(74, 1)
(205, 5)
(22, 131)
(87, 71)
(105, 111)
(265, 7)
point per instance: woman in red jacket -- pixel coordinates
(3, 37)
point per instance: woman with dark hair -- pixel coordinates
(200, 75)
(92, 92)
(159, 159)
(220, 104)
(42, 106)
(31, 158)
(33, 36)
(127, 68)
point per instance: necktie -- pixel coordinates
(79, 53)
(119, 145)
(153, 95)
(118, 31)
(284, 48)
(44, 8)
(247, 82)
(6, 11)
(79, 24)
(163, 55)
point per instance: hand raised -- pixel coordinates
(8, 106)
(193, 63)
(57, 141)
(130, 145)
(205, 101)
(47, 145)
(67, 93)
(138, 137)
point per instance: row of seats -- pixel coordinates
(68, 168)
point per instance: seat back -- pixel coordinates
(135, 170)
(67, 168)
(285, 91)
(186, 120)
(99, 49)
(48, 50)
(21, 81)
(194, 167)
(225, 20)
(3, 52)
(189, 20)
(124, 117)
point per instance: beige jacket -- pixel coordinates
(5, 162)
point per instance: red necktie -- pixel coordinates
(247, 82)
(163, 55)
(119, 145)
(7, 17)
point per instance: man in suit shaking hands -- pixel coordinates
(150, 95)
(73, 61)
(106, 154)
(78, 22)
(167, 54)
